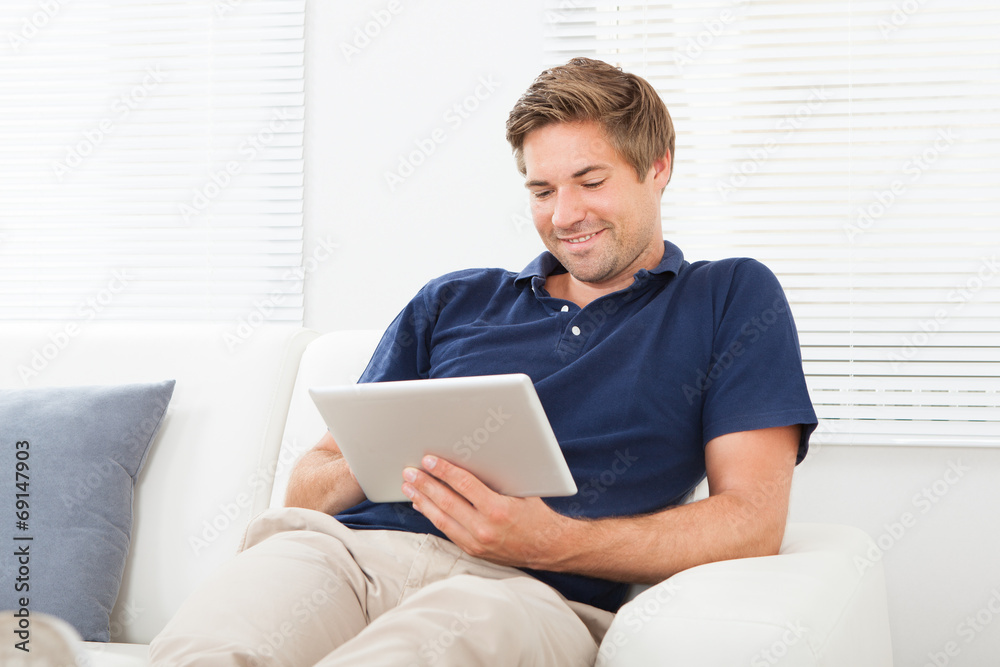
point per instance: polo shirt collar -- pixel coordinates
(546, 264)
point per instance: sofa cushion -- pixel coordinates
(74, 454)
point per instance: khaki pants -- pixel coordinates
(305, 590)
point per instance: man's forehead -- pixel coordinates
(587, 135)
(569, 149)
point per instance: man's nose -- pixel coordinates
(568, 209)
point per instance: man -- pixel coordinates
(653, 371)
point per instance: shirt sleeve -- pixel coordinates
(756, 379)
(403, 353)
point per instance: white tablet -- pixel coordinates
(492, 425)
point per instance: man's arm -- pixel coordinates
(749, 476)
(322, 480)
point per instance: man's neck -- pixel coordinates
(564, 286)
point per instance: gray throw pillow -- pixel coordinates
(71, 456)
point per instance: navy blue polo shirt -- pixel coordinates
(634, 385)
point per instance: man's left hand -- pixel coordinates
(520, 532)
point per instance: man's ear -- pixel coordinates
(662, 169)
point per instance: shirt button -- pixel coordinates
(576, 331)
(565, 309)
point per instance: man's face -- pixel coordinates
(588, 206)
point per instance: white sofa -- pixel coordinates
(240, 417)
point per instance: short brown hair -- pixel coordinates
(634, 118)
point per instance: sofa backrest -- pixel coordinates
(205, 475)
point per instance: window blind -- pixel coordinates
(151, 159)
(852, 147)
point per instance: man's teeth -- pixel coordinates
(581, 239)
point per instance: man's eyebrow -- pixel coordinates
(588, 169)
(582, 172)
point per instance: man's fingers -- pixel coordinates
(462, 481)
(448, 511)
(419, 482)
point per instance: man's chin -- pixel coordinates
(587, 274)
(585, 269)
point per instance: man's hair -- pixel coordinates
(634, 118)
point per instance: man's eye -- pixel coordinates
(594, 185)
(541, 194)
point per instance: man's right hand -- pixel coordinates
(322, 480)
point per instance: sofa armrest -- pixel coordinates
(822, 601)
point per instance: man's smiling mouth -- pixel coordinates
(581, 239)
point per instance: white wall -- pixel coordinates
(457, 209)
(465, 206)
